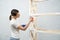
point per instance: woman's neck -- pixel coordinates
(14, 17)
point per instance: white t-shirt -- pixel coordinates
(13, 28)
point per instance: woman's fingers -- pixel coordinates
(31, 19)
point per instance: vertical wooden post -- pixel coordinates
(33, 10)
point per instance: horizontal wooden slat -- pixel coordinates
(39, 0)
(49, 31)
(45, 14)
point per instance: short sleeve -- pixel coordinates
(15, 24)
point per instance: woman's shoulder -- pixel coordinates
(12, 21)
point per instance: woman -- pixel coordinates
(15, 26)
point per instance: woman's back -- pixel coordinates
(13, 28)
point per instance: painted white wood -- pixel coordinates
(33, 13)
(45, 14)
(49, 31)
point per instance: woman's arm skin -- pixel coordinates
(27, 25)
(24, 28)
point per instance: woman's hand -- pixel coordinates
(31, 19)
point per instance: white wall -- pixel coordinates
(48, 22)
(5, 8)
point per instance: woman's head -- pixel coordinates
(14, 13)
